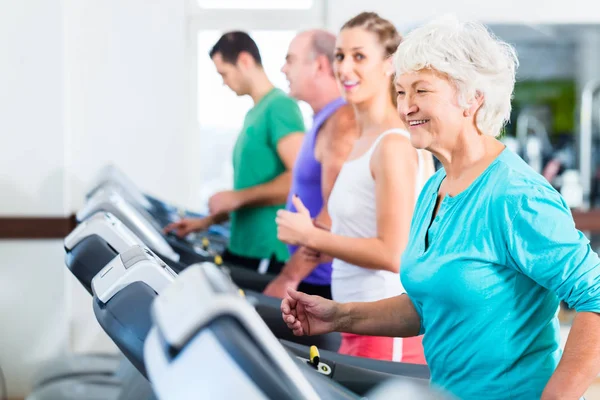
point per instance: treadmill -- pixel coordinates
(97, 241)
(222, 348)
(100, 237)
(169, 246)
(125, 317)
(139, 222)
(136, 265)
(161, 214)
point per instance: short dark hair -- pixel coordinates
(231, 44)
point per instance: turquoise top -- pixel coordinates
(500, 255)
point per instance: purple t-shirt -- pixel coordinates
(306, 183)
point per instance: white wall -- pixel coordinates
(31, 108)
(33, 312)
(407, 15)
(31, 183)
(83, 83)
(127, 93)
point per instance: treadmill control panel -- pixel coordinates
(137, 254)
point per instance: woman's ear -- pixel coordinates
(475, 103)
(389, 66)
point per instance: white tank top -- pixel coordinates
(352, 207)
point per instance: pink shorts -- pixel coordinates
(408, 350)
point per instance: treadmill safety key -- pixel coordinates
(314, 356)
(315, 361)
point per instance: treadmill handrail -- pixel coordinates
(418, 371)
(177, 322)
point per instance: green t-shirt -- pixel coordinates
(255, 162)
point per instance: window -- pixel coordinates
(218, 106)
(257, 4)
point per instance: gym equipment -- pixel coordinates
(137, 266)
(99, 238)
(110, 201)
(204, 247)
(224, 340)
(124, 289)
(161, 213)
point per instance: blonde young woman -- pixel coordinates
(372, 201)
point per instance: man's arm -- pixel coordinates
(296, 269)
(334, 144)
(215, 219)
(392, 317)
(276, 190)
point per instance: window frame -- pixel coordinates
(250, 8)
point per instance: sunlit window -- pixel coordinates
(219, 106)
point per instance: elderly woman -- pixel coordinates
(492, 245)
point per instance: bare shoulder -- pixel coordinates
(341, 124)
(337, 135)
(393, 156)
(395, 145)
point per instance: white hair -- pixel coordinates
(472, 58)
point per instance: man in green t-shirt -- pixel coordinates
(263, 158)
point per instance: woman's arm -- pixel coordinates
(393, 317)
(543, 243)
(580, 363)
(394, 168)
(314, 315)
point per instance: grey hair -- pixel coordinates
(323, 43)
(472, 58)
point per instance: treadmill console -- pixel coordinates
(136, 264)
(113, 202)
(191, 304)
(137, 254)
(106, 226)
(111, 175)
(219, 280)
